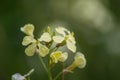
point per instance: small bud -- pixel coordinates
(72, 33)
(17, 76)
(48, 29)
(79, 60)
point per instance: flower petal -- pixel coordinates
(27, 40)
(62, 31)
(45, 37)
(71, 38)
(64, 57)
(71, 46)
(30, 50)
(28, 29)
(79, 60)
(58, 39)
(43, 50)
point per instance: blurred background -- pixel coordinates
(96, 24)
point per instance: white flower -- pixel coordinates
(67, 36)
(58, 56)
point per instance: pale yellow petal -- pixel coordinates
(58, 39)
(30, 50)
(62, 31)
(45, 37)
(43, 50)
(71, 46)
(64, 57)
(28, 29)
(79, 60)
(27, 40)
(71, 38)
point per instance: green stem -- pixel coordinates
(57, 76)
(63, 72)
(48, 71)
(50, 75)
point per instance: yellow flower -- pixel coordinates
(66, 36)
(58, 56)
(79, 61)
(33, 44)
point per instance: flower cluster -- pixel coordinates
(49, 42)
(33, 44)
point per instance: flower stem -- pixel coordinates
(63, 72)
(46, 69)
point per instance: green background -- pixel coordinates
(96, 24)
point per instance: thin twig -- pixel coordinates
(29, 73)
